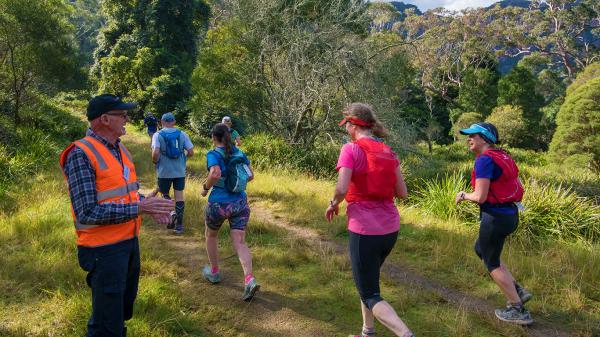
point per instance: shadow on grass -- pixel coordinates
(447, 258)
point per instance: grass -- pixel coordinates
(306, 291)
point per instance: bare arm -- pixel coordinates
(341, 188)
(238, 141)
(214, 174)
(400, 189)
(189, 152)
(482, 187)
(155, 155)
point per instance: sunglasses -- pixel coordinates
(123, 115)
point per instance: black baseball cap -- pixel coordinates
(104, 103)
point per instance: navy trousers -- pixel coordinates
(113, 275)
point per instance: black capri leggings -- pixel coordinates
(367, 253)
(493, 230)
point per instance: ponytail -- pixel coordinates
(222, 135)
(365, 113)
(379, 130)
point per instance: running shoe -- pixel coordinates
(171, 223)
(250, 289)
(524, 295)
(514, 314)
(208, 275)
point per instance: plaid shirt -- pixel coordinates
(81, 178)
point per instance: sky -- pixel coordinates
(448, 4)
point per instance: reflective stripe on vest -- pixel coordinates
(116, 182)
(119, 191)
(96, 153)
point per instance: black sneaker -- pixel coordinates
(514, 314)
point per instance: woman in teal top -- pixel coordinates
(226, 205)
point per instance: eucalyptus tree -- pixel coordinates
(567, 31)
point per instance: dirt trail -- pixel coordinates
(402, 274)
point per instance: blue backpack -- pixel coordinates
(236, 174)
(173, 149)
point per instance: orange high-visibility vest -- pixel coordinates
(114, 184)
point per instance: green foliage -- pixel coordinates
(478, 91)
(556, 212)
(30, 150)
(518, 87)
(147, 51)
(511, 125)
(589, 73)
(224, 82)
(563, 30)
(36, 51)
(436, 197)
(578, 122)
(464, 121)
(274, 153)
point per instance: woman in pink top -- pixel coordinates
(369, 177)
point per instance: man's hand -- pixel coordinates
(158, 208)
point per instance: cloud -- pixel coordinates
(449, 4)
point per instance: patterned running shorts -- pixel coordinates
(237, 212)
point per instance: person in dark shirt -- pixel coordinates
(498, 192)
(151, 123)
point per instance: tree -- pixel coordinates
(308, 51)
(36, 49)
(511, 125)
(478, 92)
(445, 45)
(565, 30)
(518, 88)
(464, 121)
(147, 51)
(590, 72)
(226, 82)
(578, 122)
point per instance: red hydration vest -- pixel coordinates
(379, 180)
(508, 187)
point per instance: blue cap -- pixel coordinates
(168, 117)
(487, 130)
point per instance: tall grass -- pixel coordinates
(552, 211)
(557, 212)
(436, 197)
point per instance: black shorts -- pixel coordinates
(493, 230)
(164, 184)
(367, 254)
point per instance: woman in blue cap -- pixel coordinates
(497, 190)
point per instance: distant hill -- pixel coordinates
(402, 8)
(511, 3)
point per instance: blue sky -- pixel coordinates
(448, 4)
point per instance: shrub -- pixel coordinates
(510, 123)
(273, 153)
(436, 197)
(464, 121)
(577, 125)
(553, 211)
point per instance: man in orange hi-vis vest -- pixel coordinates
(107, 210)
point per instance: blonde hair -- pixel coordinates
(365, 113)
